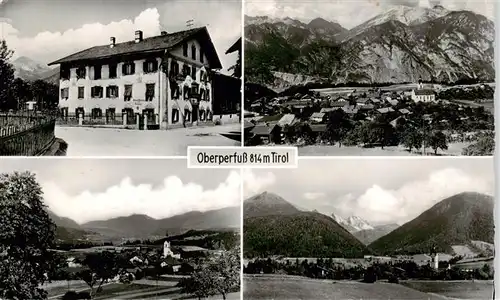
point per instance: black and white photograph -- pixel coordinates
(118, 229)
(386, 228)
(126, 78)
(370, 78)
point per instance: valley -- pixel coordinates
(298, 253)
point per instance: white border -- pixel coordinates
(247, 166)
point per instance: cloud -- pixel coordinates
(350, 13)
(313, 195)
(172, 198)
(380, 205)
(224, 25)
(253, 183)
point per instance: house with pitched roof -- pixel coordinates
(161, 80)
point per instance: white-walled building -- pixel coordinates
(164, 78)
(422, 94)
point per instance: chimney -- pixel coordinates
(112, 41)
(163, 33)
(138, 36)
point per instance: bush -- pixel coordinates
(393, 279)
(70, 295)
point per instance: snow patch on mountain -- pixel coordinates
(353, 223)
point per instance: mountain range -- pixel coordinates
(143, 226)
(403, 44)
(31, 70)
(457, 220)
(273, 226)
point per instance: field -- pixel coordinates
(291, 287)
(279, 287)
(86, 141)
(140, 289)
(455, 289)
(454, 149)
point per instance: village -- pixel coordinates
(135, 269)
(391, 117)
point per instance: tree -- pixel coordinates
(26, 235)
(100, 268)
(6, 77)
(219, 275)
(338, 126)
(412, 138)
(438, 141)
(227, 270)
(485, 145)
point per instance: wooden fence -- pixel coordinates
(25, 134)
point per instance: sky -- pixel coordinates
(381, 191)
(46, 30)
(350, 13)
(97, 189)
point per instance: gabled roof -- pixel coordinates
(317, 115)
(235, 47)
(385, 110)
(151, 44)
(286, 120)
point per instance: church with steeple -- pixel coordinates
(423, 94)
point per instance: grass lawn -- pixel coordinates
(284, 287)
(477, 289)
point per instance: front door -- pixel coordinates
(194, 112)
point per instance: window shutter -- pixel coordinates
(133, 67)
(108, 92)
(145, 67)
(124, 68)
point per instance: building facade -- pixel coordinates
(422, 94)
(162, 80)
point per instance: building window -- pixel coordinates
(202, 75)
(65, 93)
(110, 114)
(202, 94)
(129, 112)
(96, 92)
(185, 70)
(96, 113)
(193, 52)
(112, 70)
(202, 58)
(97, 72)
(175, 115)
(207, 94)
(127, 96)
(80, 111)
(150, 91)
(202, 115)
(193, 72)
(187, 115)
(112, 91)
(185, 49)
(81, 73)
(65, 74)
(150, 66)
(174, 68)
(81, 92)
(128, 68)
